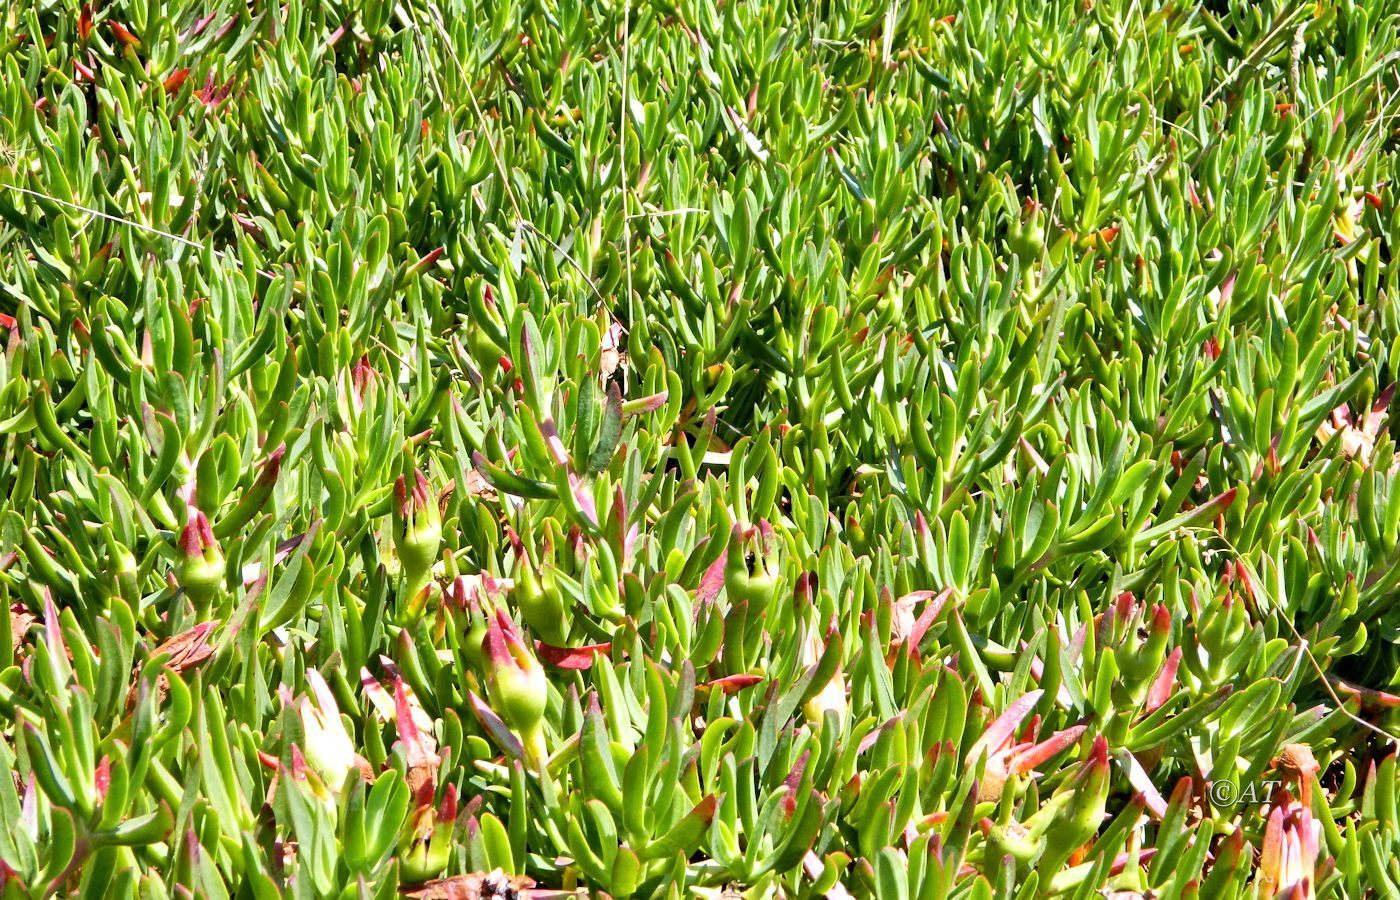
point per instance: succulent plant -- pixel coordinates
(900, 450)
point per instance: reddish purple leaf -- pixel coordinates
(731, 683)
(1001, 730)
(712, 580)
(570, 657)
(1161, 689)
(1028, 759)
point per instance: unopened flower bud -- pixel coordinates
(516, 682)
(120, 578)
(538, 599)
(417, 536)
(1291, 848)
(200, 569)
(1026, 235)
(1144, 659)
(426, 844)
(329, 750)
(1222, 628)
(751, 571)
(463, 602)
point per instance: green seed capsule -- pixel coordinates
(538, 599)
(417, 538)
(516, 682)
(200, 570)
(751, 569)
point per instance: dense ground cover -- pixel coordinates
(904, 449)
